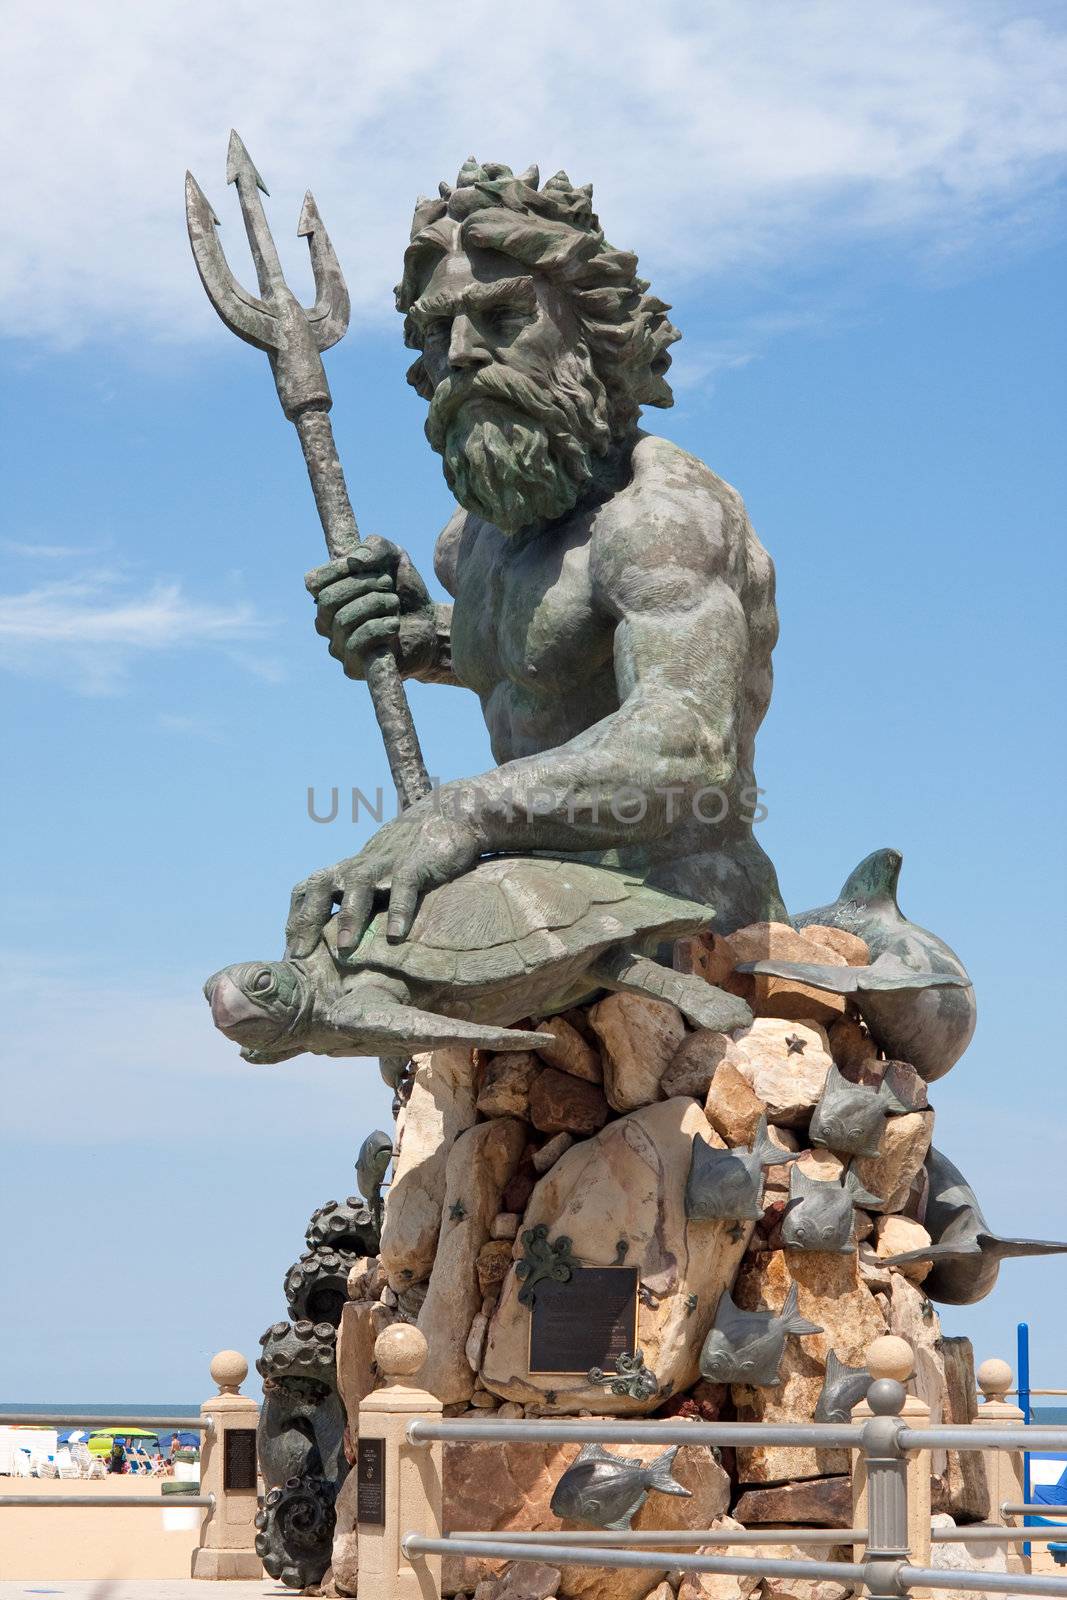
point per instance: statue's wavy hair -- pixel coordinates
(553, 230)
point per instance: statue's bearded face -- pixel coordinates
(517, 411)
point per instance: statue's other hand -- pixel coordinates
(369, 598)
(418, 851)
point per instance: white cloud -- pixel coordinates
(88, 629)
(717, 136)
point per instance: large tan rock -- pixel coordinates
(706, 955)
(480, 1164)
(626, 1183)
(785, 1063)
(508, 1487)
(441, 1106)
(566, 1049)
(696, 1468)
(778, 1588)
(851, 1046)
(912, 1317)
(853, 950)
(895, 1235)
(784, 997)
(361, 1323)
(977, 1556)
(815, 1502)
(505, 1090)
(890, 1174)
(639, 1037)
(832, 1294)
(717, 1585)
(733, 1107)
(693, 1064)
(344, 1557)
(500, 1488)
(562, 1103)
(967, 1493)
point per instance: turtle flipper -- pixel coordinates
(701, 1002)
(376, 1024)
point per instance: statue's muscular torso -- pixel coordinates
(532, 636)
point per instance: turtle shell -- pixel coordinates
(511, 915)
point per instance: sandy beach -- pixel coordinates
(96, 1544)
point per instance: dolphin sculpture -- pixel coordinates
(850, 1118)
(729, 1183)
(915, 996)
(819, 1215)
(747, 1346)
(966, 1253)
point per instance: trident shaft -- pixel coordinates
(294, 338)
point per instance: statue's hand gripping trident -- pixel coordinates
(294, 338)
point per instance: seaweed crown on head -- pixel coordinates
(555, 231)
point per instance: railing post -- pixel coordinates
(228, 1472)
(1004, 1468)
(398, 1484)
(891, 1490)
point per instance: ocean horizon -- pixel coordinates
(123, 1408)
(1048, 1416)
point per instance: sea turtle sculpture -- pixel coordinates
(517, 937)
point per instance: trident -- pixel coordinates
(293, 338)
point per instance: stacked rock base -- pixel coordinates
(516, 1170)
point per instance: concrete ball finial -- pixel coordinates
(995, 1378)
(229, 1369)
(400, 1352)
(890, 1357)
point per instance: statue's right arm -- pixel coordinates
(377, 596)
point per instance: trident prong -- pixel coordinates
(274, 320)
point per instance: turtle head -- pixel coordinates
(259, 1004)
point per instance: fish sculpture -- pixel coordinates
(965, 1251)
(606, 1491)
(850, 1118)
(843, 1387)
(819, 1216)
(915, 996)
(747, 1346)
(729, 1183)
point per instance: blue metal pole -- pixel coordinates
(1023, 1352)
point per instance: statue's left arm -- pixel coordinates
(680, 646)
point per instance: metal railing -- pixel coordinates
(888, 1553)
(105, 1420)
(228, 1489)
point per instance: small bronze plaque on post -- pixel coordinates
(239, 1460)
(585, 1322)
(370, 1482)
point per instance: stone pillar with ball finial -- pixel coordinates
(891, 1358)
(399, 1484)
(228, 1472)
(1004, 1468)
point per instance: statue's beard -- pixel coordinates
(516, 451)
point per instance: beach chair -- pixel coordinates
(42, 1466)
(66, 1466)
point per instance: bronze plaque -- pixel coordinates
(370, 1482)
(239, 1459)
(585, 1322)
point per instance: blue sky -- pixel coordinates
(856, 221)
